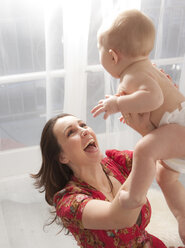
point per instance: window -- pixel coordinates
(49, 61)
(23, 71)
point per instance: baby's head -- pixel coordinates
(132, 33)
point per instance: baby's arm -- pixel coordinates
(143, 97)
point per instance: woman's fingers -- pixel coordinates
(127, 118)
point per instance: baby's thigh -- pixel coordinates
(165, 142)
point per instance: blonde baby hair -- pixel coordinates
(131, 33)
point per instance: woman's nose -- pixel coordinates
(84, 132)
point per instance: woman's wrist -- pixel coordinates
(139, 122)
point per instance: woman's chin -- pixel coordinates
(95, 153)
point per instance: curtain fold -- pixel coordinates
(75, 37)
(159, 31)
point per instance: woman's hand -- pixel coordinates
(139, 122)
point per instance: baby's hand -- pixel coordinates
(108, 105)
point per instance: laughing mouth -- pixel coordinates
(90, 144)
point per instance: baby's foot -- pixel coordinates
(127, 201)
(181, 222)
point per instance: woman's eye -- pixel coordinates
(70, 132)
(83, 125)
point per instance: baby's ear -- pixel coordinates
(63, 159)
(114, 56)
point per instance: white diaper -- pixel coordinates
(177, 164)
(177, 116)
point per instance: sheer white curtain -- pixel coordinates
(49, 64)
(76, 15)
(78, 18)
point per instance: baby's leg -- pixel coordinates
(174, 193)
(164, 142)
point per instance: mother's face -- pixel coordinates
(78, 142)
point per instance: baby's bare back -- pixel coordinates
(172, 96)
(143, 75)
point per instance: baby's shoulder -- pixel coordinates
(133, 81)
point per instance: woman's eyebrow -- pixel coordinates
(65, 130)
(79, 121)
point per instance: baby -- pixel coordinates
(124, 50)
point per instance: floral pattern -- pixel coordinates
(71, 201)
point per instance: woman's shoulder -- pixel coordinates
(118, 163)
(119, 158)
(73, 188)
(70, 202)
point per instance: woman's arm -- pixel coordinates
(99, 214)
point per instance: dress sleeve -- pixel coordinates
(69, 208)
(123, 159)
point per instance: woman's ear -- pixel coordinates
(114, 55)
(63, 159)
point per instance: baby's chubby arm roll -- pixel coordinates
(141, 96)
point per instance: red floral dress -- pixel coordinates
(71, 201)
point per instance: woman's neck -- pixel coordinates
(94, 176)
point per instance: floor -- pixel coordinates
(23, 212)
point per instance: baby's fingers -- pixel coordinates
(97, 110)
(106, 115)
(101, 101)
(107, 96)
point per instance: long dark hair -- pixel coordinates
(52, 176)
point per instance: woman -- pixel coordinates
(84, 186)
